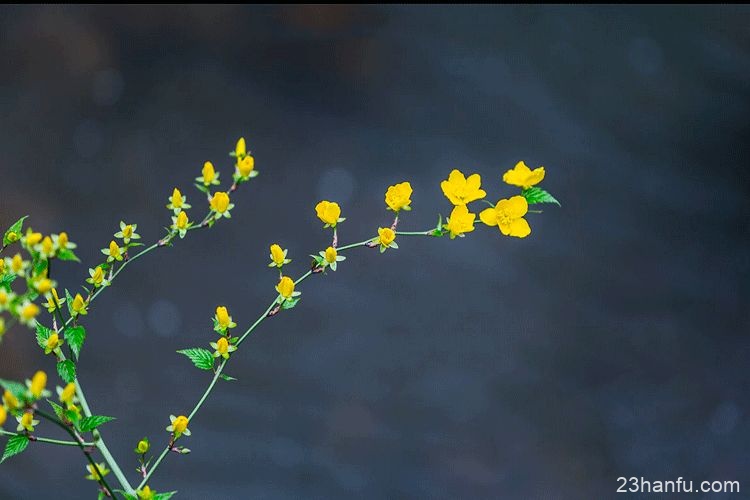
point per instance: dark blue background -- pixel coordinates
(612, 342)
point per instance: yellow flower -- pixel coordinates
(143, 446)
(522, 176)
(398, 197)
(461, 190)
(460, 221)
(286, 287)
(18, 265)
(246, 166)
(223, 348)
(177, 202)
(96, 276)
(3, 416)
(5, 299)
(31, 238)
(508, 217)
(26, 422)
(28, 311)
(278, 256)
(181, 223)
(53, 342)
(220, 204)
(386, 238)
(10, 401)
(240, 149)
(223, 319)
(43, 285)
(47, 247)
(67, 394)
(179, 425)
(209, 175)
(53, 301)
(79, 305)
(146, 493)
(127, 232)
(330, 255)
(113, 252)
(37, 384)
(329, 212)
(62, 240)
(96, 473)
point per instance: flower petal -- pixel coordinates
(488, 216)
(520, 228)
(517, 206)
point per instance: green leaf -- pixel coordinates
(57, 409)
(16, 388)
(75, 337)
(69, 301)
(6, 280)
(290, 303)
(42, 334)
(165, 496)
(40, 266)
(67, 254)
(15, 228)
(538, 195)
(88, 424)
(14, 446)
(67, 370)
(226, 377)
(201, 358)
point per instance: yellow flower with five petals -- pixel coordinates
(507, 215)
(461, 190)
(522, 176)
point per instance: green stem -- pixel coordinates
(47, 440)
(414, 233)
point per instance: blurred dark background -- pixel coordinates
(612, 342)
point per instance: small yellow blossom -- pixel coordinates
(208, 175)
(96, 473)
(246, 167)
(37, 384)
(222, 319)
(223, 348)
(460, 221)
(27, 313)
(31, 238)
(5, 298)
(53, 301)
(79, 305)
(62, 242)
(3, 416)
(143, 446)
(386, 238)
(96, 277)
(330, 258)
(507, 215)
(67, 394)
(329, 212)
(26, 422)
(181, 223)
(114, 252)
(330, 255)
(179, 425)
(278, 256)
(177, 202)
(398, 197)
(146, 493)
(522, 176)
(240, 149)
(12, 236)
(286, 287)
(10, 401)
(53, 342)
(43, 285)
(127, 232)
(220, 204)
(47, 247)
(17, 265)
(461, 190)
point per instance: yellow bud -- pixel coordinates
(180, 424)
(79, 305)
(98, 276)
(143, 446)
(220, 202)
(53, 342)
(16, 263)
(245, 165)
(67, 394)
(331, 255)
(222, 345)
(223, 317)
(27, 421)
(43, 285)
(12, 237)
(47, 245)
(62, 240)
(38, 383)
(182, 221)
(10, 400)
(240, 149)
(176, 198)
(208, 173)
(277, 254)
(146, 493)
(387, 235)
(114, 249)
(3, 416)
(29, 311)
(127, 231)
(285, 287)
(33, 238)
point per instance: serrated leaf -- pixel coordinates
(69, 301)
(290, 303)
(165, 496)
(7, 280)
(538, 195)
(14, 446)
(201, 358)
(57, 409)
(226, 377)
(75, 337)
(40, 267)
(67, 370)
(67, 254)
(88, 424)
(42, 334)
(15, 228)
(16, 388)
